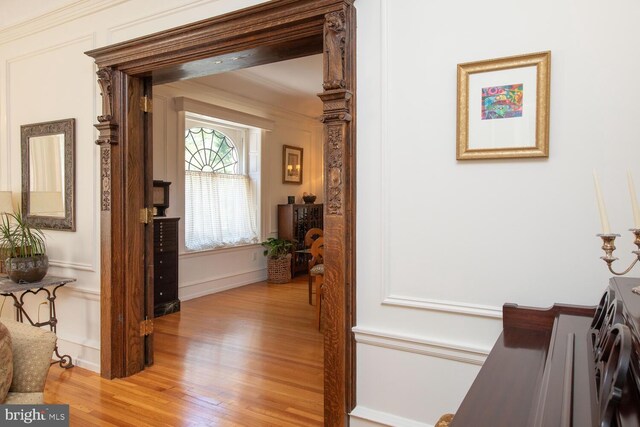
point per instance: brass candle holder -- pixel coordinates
(608, 246)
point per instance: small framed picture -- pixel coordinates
(291, 165)
(503, 107)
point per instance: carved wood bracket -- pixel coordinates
(105, 78)
(334, 45)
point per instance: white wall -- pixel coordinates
(443, 244)
(212, 271)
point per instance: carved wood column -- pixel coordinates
(339, 220)
(111, 322)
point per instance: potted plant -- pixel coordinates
(278, 253)
(24, 248)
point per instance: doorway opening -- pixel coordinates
(268, 32)
(219, 141)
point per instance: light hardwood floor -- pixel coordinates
(250, 356)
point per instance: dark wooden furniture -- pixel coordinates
(293, 223)
(565, 366)
(165, 263)
(9, 288)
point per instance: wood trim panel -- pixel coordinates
(111, 236)
(270, 23)
(134, 250)
(262, 33)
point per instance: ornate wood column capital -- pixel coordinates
(107, 127)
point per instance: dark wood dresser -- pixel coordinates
(294, 221)
(165, 259)
(564, 366)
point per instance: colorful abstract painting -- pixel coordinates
(502, 102)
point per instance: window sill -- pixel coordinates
(207, 252)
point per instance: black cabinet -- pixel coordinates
(165, 261)
(293, 223)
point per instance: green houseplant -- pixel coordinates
(23, 247)
(278, 253)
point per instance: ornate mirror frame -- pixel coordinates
(67, 128)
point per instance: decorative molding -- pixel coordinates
(210, 252)
(383, 418)
(334, 46)
(445, 306)
(410, 344)
(55, 18)
(92, 344)
(72, 265)
(182, 103)
(105, 177)
(337, 114)
(153, 17)
(334, 153)
(273, 110)
(86, 293)
(200, 288)
(388, 297)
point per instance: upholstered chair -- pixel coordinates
(30, 356)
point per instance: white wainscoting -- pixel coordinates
(434, 348)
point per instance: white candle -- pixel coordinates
(603, 212)
(634, 202)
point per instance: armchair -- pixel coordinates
(31, 349)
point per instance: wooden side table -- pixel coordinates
(10, 288)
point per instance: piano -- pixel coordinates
(564, 366)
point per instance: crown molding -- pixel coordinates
(56, 17)
(274, 110)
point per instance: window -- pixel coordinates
(220, 204)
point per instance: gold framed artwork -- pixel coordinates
(291, 165)
(503, 107)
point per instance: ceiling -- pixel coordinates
(292, 84)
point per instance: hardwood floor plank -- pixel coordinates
(250, 356)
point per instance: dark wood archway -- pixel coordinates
(268, 32)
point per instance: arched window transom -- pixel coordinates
(208, 150)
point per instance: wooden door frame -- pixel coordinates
(268, 32)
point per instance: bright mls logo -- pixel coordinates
(36, 415)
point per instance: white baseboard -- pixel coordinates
(198, 289)
(85, 355)
(362, 416)
(440, 349)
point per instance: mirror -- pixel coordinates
(48, 174)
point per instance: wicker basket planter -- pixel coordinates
(279, 269)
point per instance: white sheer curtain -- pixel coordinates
(218, 211)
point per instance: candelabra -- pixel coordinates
(608, 246)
